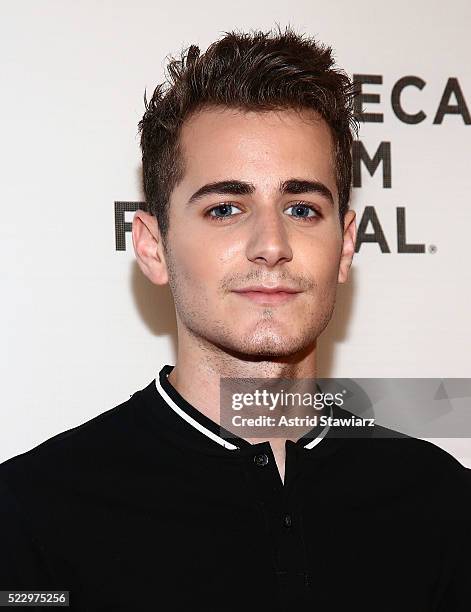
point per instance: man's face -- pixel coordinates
(222, 242)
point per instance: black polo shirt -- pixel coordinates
(148, 507)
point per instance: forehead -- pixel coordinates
(222, 142)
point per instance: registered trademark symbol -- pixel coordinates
(432, 249)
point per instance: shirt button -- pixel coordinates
(260, 460)
(287, 522)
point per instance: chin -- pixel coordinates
(268, 345)
(264, 339)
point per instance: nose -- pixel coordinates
(268, 243)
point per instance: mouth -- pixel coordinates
(268, 298)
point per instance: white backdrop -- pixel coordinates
(81, 328)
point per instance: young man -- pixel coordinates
(247, 171)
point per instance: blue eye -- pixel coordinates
(224, 208)
(304, 210)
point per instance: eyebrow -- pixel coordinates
(291, 186)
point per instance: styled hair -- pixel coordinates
(258, 71)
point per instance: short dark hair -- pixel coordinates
(251, 71)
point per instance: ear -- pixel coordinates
(348, 247)
(148, 247)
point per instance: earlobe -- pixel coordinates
(348, 246)
(148, 249)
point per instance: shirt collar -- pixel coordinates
(213, 430)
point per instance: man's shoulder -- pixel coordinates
(420, 462)
(397, 460)
(410, 447)
(76, 449)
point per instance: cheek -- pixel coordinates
(323, 253)
(230, 252)
(210, 254)
(197, 262)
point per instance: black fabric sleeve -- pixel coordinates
(457, 595)
(23, 559)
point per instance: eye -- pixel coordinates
(302, 209)
(224, 208)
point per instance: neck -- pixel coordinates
(200, 366)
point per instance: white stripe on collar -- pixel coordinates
(316, 440)
(207, 432)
